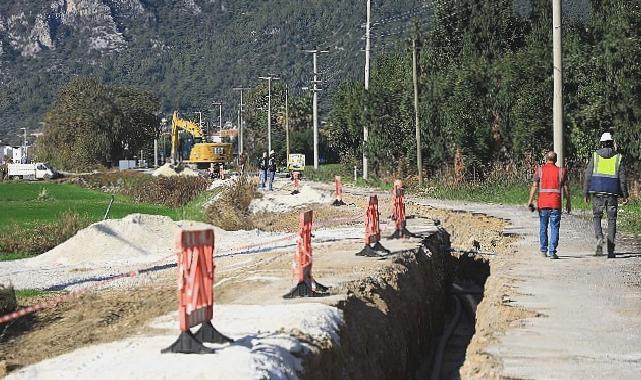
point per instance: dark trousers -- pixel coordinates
(609, 204)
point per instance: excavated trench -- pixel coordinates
(413, 320)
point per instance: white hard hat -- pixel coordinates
(271, 152)
(606, 137)
(264, 154)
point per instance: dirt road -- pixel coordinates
(582, 313)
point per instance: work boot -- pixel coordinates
(553, 256)
(611, 254)
(599, 248)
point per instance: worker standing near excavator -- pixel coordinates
(550, 180)
(271, 169)
(263, 163)
(605, 183)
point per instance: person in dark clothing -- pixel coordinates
(271, 169)
(605, 183)
(263, 163)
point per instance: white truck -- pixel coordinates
(33, 171)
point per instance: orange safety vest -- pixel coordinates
(550, 178)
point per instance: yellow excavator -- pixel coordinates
(202, 153)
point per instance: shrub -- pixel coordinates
(169, 191)
(41, 238)
(8, 301)
(230, 208)
(115, 181)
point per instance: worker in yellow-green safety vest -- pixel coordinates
(605, 184)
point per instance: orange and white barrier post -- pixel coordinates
(338, 191)
(373, 246)
(306, 286)
(399, 214)
(398, 184)
(222, 171)
(296, 179)
(196, 293)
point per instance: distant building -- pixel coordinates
(6, 152)
(21, 155)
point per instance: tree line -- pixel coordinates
(486, 88)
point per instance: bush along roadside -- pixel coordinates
(17, 241)
(169, 191)
(230, 211)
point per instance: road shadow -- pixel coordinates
(101, 278)
(628, 255)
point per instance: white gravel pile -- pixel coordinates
(170, 170)
(282, 200)
(134, 239)
(114, 246)
(218, 183)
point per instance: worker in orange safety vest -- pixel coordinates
(550, 181)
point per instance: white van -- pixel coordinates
(33, 171)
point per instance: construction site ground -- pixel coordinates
(569, 318)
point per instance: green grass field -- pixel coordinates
(21, 204)
(33, 215)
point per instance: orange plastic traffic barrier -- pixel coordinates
(398, 184)
(196, 293)
(373, 246)
(399, 214)
(306, 285)
(338, 191)
(296, 179)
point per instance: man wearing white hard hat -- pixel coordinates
(605, 184)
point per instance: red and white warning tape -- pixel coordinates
(53, 301)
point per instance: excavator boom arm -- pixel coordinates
(178, 124)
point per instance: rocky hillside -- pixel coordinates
(188, 52)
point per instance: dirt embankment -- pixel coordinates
(496, 313)
(391, 318)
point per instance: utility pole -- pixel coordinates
(269, 109)
(24, 156)
(367, 49)
(419, 155)
(315, 89)
(558, 82)
(200, 119)
(220, 114)
(240, 118)
(287, 121)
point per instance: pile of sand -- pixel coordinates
(217, 183)
(284, 201)
(170, 170)
(136, 239)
